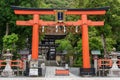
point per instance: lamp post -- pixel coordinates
(7, 72)
(95, 54)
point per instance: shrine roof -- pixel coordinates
(51, 9)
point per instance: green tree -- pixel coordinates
(81, 3)
(8, 20)
(9, 41)
(106, 32)
(64, 45)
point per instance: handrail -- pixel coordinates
(106, 63)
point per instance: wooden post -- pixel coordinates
(85, 42)
(35, 37)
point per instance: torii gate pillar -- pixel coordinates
(35, 37)
(85, 42)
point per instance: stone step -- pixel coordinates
(51, 63)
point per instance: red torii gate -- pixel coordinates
(84, 22)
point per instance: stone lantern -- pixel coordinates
(7, 72)
(114, 71)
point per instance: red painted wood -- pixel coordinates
(53, 23)
(94, 12)
(26, 12)
(35, 37)
(95, 23)
(61, 72)
(25, 23)
(85, 43)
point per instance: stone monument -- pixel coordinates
(7, 72)
(114, 71)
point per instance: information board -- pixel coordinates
(33, 72)
(95, 52)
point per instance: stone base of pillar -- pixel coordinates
(33, 68)
(87, 71)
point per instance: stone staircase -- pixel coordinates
(47, 62)
(50, 63)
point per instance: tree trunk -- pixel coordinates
(6, 33)
(104, 45)
(7, 29)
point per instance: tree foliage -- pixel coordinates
(9, 41)
(64, 45)
(111, 19)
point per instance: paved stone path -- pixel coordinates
(50, 75)
(60, 78)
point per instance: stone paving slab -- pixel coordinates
(50, 75)
(39, 78)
